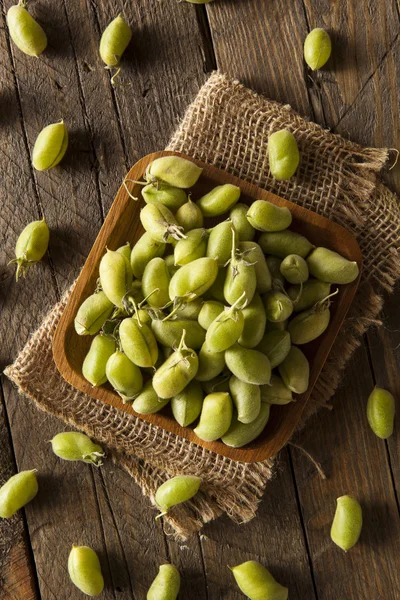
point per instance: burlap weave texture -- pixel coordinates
(228, 126)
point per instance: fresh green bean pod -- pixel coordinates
(138, 343)
(265, 216)
(125, 250)
(171, 266)
(25, 32)
(254, 321)
(160, 223)
(278, 306)
(283, 243)
(148, 402)
(294, 269)
(248, 365)
(309, 294)
(155, 282)
(211, 363)
(115, 276)
(186, 406)
(194, 246)
(226, 329)
(50, 146)
(215, 417)
(94, 365)
(166, 585)
(17, 492)
(193, 279)
(295, 371)
(241, 280)
(240, 434)
(76, 446)
(380, 412)
(276, 392)
(218, 384)
(174, 170)
(347, 523)
(85, 571)
(244, 229)
(31, 246)
(309, 324)
(329, 266)
(276, 346)
(189, 216)
(172, 197)
(124, 376)
(254, 254)
(210, 310)
(317, 48)
(284, 156)
(176, 372)
(189, 310)
(220, 243)
(143, 251)
(176, 490)
(219, 200)
(169, 333)
(114, 41)
(92, 314)
(257, 583)
(246, 398)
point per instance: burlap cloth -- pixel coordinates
(228, 126)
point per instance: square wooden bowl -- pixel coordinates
(123, 224)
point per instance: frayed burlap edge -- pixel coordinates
(228, 126)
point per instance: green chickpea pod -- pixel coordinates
(317, 48)
(175, 491)
(31, 246)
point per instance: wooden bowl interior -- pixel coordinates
(123, 225)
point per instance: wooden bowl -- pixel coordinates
(123, 224)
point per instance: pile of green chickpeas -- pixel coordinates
(206, 319)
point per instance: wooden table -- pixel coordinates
(174, 48)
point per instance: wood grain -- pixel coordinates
(122, 224)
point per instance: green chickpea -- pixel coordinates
(226, 329)
(257, 583)
(171, 266)
(147, 402)
(25, 32)
(347, 523)
(309, 324)
(276, 392)
(255, 255)
(189, 216)
(210, 310)
(244, 229)
(138, 343)
(174, 170)
(176, 372)
(380, 412)
(295, 371)
(194, 246)
(265, 216)
(169, 333)
(172, 197)
(211, 363)
(220, 243)
(216, 291)
(248, 365)
(284, 156)
(219, 200)
(189, 310)
(240, 277)
(85, 571)
(143, 251)
(307, 295)
(155, 282)
(92, 314)
(317, 48)
(75, 446)
(166, 585)
(50, 146)
(276, 346)
(194, 279)
(254, 321)
(215, 417)
(124, 376)
(186, 406)
(17, 492)
(31, 246)
(247, 399)
(115, 276)
(274, 267)
(113, 43)
(331, 267)
(294, 269)
(276, 326)
(285, 242)
(240, 434)
(278, 306)
(175, 491)
(125, 250)
(94, 365)
(160, 223)
(218, 384)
